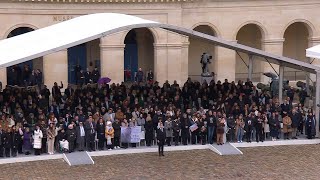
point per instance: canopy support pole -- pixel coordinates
(242, 59)
(308, 86)
(281, 70)
(250, 67)
(316, 104)
(271, 66)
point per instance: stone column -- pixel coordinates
(317, 101)
(184, 61)
(174, 65)
(55, 68)
(112, 62)
(225, 64)
(3, 77)
(274, 46)
(160, 63)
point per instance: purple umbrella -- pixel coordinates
(104, 80)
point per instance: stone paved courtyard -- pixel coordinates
(280, 162)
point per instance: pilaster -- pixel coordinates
(225, 64)
(274, 46)
(3, 77)
(112, 62)
(55, 68)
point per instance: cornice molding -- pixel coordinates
(101, 1)
(111, 46)
(314, 39)
(273, 41)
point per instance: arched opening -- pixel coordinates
(138, 53)
(294, 46)
(196, 49)
(28, 73)
(83, 62)
(249, 35)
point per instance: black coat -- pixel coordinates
(101, 131)
(295, 120)
(176, 126)
(161, 136)
(88, 130)
(7, 140)
(117, 129)
(16, 138)
(148, 126)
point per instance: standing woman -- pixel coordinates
(37, 140)
(101, 133)
(51, 134)
(168, 128)
(176, 130)
(266, 126)
(240, 128)
(224, 116)
(109, 135)
(16, 137)
(20, 140)
(221, 123)
(149, 130)
(44, 128)
(310, 125)
(124, 124)
(287, 128)
(194, 131)
(27, 141)
(185, 132)
(133, 123)
(7, 141)
(117, 133)
(71, 137)
(274, 125)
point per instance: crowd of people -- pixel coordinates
(18, 76)
(91, 117)
(86, 77)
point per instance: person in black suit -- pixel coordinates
(87, 77)
(161, 137)
(90, 133)
(69, 91)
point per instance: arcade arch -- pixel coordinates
(138, 52)
(249, 35)
(295, 43)
(196, 48)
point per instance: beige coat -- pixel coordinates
(286, 124)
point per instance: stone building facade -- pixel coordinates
(279, 26)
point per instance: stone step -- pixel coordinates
(226, 149)
(78, 158)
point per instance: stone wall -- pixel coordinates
(172, 52)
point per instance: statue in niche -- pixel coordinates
(205, 61)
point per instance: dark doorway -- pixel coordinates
(77, 60)
(130, 56)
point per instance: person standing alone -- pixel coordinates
(161, 136)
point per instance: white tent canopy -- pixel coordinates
(61, 36)
(313, 52)
(85, 28)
